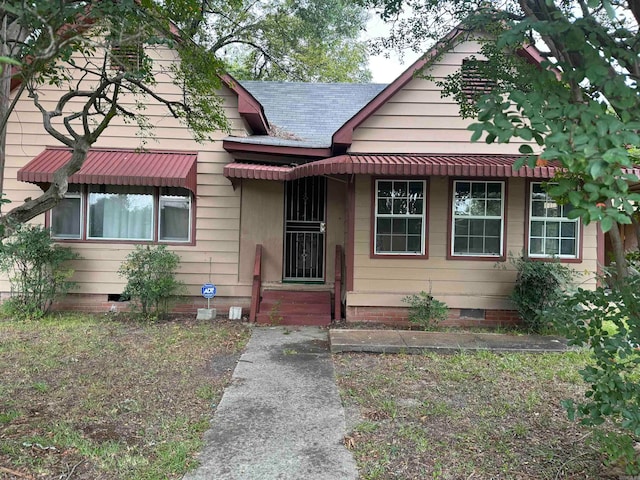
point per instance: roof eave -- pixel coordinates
(239, 147)
(343, 137)
(248, 107)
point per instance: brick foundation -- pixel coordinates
(400, 316)
(395, 316)
(95, 303)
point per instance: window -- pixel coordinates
(478, 218)
(132, 213)
(551, 233)
(400, 217)
(66, 216)
(120, 212)
(175, 215)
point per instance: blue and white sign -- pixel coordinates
(209, 290)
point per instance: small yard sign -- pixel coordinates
(208, 290)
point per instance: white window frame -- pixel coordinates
(79, 196)
(83, 195)
(154, 223)
(422, 216)
(455, 216)
(560, 219)
(162, 197)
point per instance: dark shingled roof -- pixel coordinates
(307, 114)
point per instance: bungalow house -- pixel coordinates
(325, 199)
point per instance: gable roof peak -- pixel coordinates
(343, 137)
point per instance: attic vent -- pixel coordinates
(474, 80)
(126, 56)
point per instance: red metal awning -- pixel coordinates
(459, 165)
(254, 171)
(158, 168)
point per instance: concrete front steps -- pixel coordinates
(287, 307)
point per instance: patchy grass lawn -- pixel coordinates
(95, 398)
(466, 416)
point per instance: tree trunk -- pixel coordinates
(636, 228)
(618, 253)
(32, 208)
(11, 35)
(5, 101)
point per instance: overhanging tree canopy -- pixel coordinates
(93, 52)
(101, 40)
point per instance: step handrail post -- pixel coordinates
(337, 285)
(257, 284)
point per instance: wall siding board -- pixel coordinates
(217, 204)
(422, 131)
(462, 283)
(417, 120)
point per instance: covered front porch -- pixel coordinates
(371, 285)
(291, 238)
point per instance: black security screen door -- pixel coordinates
(304, 229)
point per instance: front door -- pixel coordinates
(304, 229)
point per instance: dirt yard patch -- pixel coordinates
(466, 416)
(94, 398)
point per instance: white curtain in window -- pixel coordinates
(121, 213)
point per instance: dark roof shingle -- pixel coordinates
(309, 112)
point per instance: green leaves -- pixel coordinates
(151, 278)
(38, 270)
(426, 311)
(608, 323)
(8, 61)
(581, 106)
(315, 40)
(539, 286)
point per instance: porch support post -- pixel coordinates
(351, 231)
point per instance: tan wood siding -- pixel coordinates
(460, 283)
(263, 223)
(417, 120)
(217, 203)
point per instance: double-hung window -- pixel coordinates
(67, 215)
(400, 217)
(175, 215)
(551, 233)
(123, 213)
(478, 218)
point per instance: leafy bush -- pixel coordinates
(539, 286)
(586, 318)
(425, 310)
(633, 257)
(37, 270)
(151, 278)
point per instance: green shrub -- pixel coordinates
(426, 311)
(586, 318)
(633, 257)
(37, 269)
(539, 286)
(151, 278)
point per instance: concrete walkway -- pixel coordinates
(408, 341)
(281, 417)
